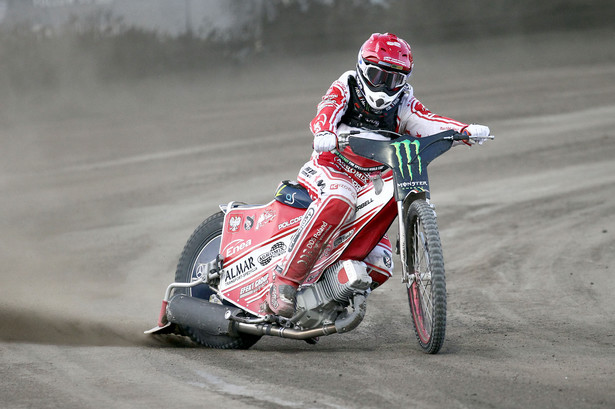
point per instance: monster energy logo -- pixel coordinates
(406, 150)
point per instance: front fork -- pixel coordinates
(403, 249)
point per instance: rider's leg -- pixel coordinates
(321, 222)
(380, 262)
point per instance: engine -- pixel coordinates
(321, 303)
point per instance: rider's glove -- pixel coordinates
(476, 130)
(325, 141)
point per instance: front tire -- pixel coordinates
(204, 246)
(427, 284)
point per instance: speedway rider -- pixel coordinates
(377, 97)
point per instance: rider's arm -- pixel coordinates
(416, 120)
(332, 107)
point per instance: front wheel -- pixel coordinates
(426, 283)
(202, 247)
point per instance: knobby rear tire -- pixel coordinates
(427, 291)
(203, 246)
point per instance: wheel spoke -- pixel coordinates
(427, 304)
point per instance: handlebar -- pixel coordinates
(342, 138)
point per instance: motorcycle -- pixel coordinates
(225, 270)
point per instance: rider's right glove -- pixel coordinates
(325, 141)
(476, 130)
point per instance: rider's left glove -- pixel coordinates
(477, 131)
(325, 141)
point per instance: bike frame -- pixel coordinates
(255, 238)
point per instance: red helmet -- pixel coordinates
(384, 65)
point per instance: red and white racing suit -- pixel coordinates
(333, 184)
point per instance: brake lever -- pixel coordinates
(342, 143)
(462, 137)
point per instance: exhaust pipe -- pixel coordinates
(282, 332)
(216, 319)
(199, 313)
(346, 322)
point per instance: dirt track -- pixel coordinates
(101, 188)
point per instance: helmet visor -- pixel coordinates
(379, 78)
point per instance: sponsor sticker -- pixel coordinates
(254, 287)
(289, 223)
(234, 223)
(249, 223)
(404, 153)
(276, 250)
(239, 271)
(366, 203)
(267, 216)
(236, 246)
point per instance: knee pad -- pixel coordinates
(380, 262)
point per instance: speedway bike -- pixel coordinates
(226, 267)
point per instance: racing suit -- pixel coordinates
(334, 182)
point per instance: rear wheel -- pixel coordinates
(426, 285)
(203, 247)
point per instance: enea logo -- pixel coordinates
(403, 150)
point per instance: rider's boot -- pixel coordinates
(320, 223)
(281, 300)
